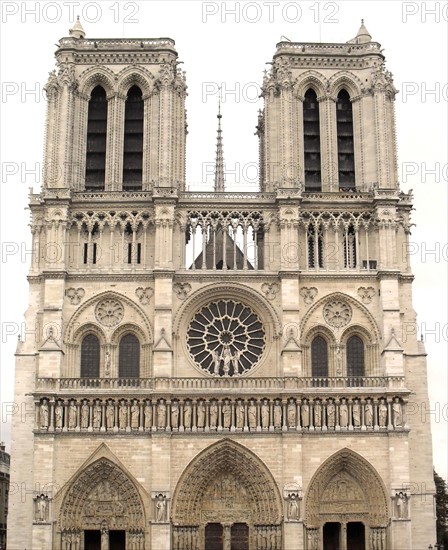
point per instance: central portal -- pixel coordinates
(115, 540)
(220, 537)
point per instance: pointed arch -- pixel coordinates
(227, 458)
(95, 76)
(311, 79)
(346, 484)
(135, 76)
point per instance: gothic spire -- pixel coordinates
(219, 165)
(363, 35)
(77, 30)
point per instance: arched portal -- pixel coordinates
(102, 508)
(226, 498)
(346, 506)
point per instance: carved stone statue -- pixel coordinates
(239, 413)
(401, 505)
(187, 414)
(84, 414)
(107, 364)
(59, 415)
(97, 415)
(398, 413)
(123, 415)
(160, 508)
(110, 414)
(148, 415)
(175, 415)
(317, 414)
(226, 414)
(227, 359)
(305, 414)
(252, 415)
(382, 413)
(343, 413)
(72, 408)
(291, 413)
(161, 414)
(44, 414)
(201, 414)
(331, 414)
(235, 362)
(213, 414)
(135, 415)
(277, 414)
(265, 414)
(368, 413)
(293, 507)
(41, 510)
(216, 361)
(356, 414)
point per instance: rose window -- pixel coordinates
(109, 312)
(337, 314)
(226, 338)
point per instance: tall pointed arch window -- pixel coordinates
(350, 247)
(96, 140)
(315, 239)
(319, 357)
(311, 142)
(90, 357)
(346, 150)
(129, 357)
(133, 140)
(355, 357)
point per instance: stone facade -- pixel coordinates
(4, 491)
(220, 370)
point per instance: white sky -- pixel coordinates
(217, 51)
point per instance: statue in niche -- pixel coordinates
(175, 415)
(227, 359)
(148, 415)
(398, 413)
(84, 414)
(226, 414)
(213, 414)
(317, 414)
(293, 507)
(382, 413)
(187, 414)
(252, 414)
(277, 414)
(291, 413)
(59, 415)
(401, 505)
(338, 362)
(160, 508)
(305, 414)
(331, 414)
(97, 415)
(216, 361)
(161, 414)
(123, 415)
(356, 414)
(104, 537)
(239, 412)
(72, 415)
(41, 510)
(107, 364)
(110, 414)
(44, 414)
(265, 414)
(343, 413)
(368, 413)
(201, 414)
(135, 414)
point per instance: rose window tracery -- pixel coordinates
(226, 338)
(109, 312)
(337, 313)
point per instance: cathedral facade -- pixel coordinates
(217, 370)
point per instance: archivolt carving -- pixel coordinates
(135, 75)
(346, 484)
(311, 79)
(94, 76)
(346, 80)
(102, 495)
(240, 474)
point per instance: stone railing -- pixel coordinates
(236, 414)
(379, 383)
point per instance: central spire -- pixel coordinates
(219, 165)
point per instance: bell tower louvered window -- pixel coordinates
(90, 357)
(129, 357)
(133, 141)
(346, 151)
(311, 142)
(96, 140)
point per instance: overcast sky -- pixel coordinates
(227, 44)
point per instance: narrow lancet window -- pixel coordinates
(133, 141)
(129, 357)
(319, 357)
(355, 357)
(311, 142)
(90, 357)
(346, 151)
(96, 140)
